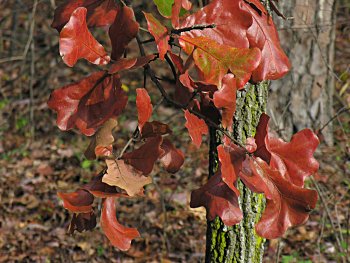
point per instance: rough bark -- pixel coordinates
(240, 242)
(304, 97)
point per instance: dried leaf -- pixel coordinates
(125, 176)
(79, 201)
(101, 143)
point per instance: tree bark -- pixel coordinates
(304, 97)
(239, 243)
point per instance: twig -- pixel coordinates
(342, 110)
(175, 104)
(320, 193)
(190, 28)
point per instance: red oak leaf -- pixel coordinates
(287, 204)
(77, 42)
(143, 158)
(172, 158)
(79, 201)
(196, 128)
(154, 128)
(214, 60)
(219, 200)
(88, 103)
(122, 31)
(231, 23)
(231, 158)
(99, 12)
(263, 35)
(293, 159)
(129, 63)
(225, 98)
(82, 222)
(120, 236)
(144, 106)
(160, 34)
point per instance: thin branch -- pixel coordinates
(190, 28)
(178, 105)
(342, 110)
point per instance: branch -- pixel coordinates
(190, 28)
(174, 103)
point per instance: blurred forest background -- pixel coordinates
(37, 159)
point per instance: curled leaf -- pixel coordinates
(173, 158)
(120, 236)
(99, 12)
(144, 106)
(122, 31)
(79, 201)
(160, 34)
(82, 222)
(87, 104)
(219, 200)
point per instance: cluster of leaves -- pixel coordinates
(227, 43)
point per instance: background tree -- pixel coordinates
(307, 35)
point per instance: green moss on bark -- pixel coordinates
(239, 243)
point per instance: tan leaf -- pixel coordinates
(101, 143)
(125, 176)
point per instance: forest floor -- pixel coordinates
(37, 160)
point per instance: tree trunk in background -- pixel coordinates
(240, 242)
(304, 97)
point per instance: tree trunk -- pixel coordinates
(239, 243)
(304, 97)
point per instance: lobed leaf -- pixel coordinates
(287, 204)
(215, 60)
(101, 143)
(89, 103)
(263, 35)
(196, 128)
(125, 177)
(225, 98)
(77, 42)
(293, 159)
(99, 12)
(219, 200)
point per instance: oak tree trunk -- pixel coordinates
(239, 243)
(303, 98)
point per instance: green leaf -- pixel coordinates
(164, 7)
